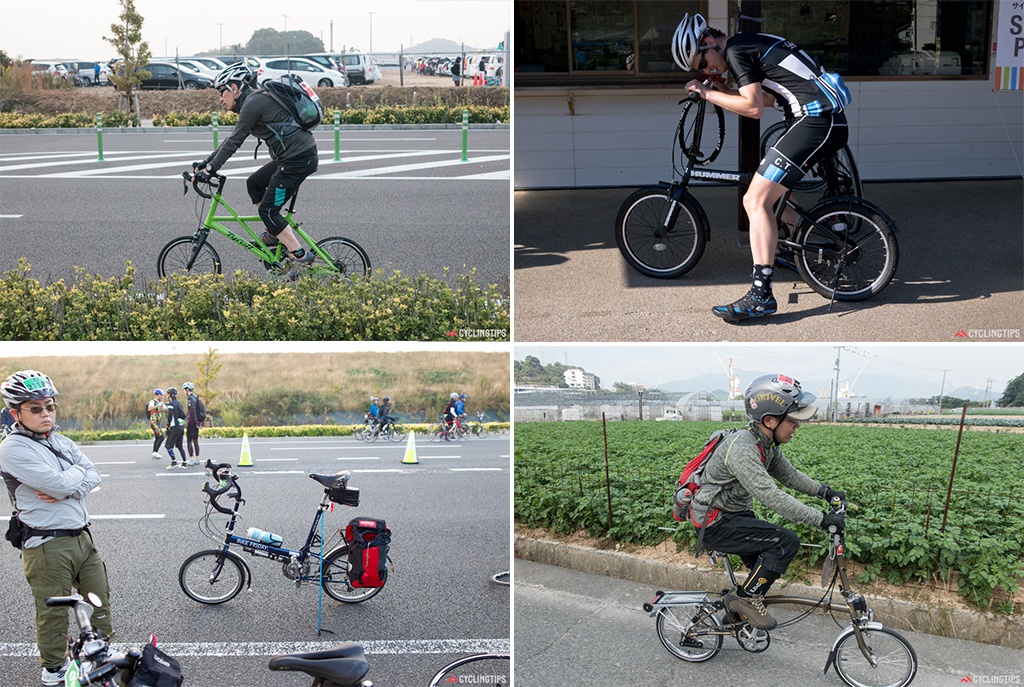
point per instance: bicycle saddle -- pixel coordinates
(344, 664)
(330, 480)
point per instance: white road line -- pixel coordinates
(409, 168)
(440, 457)
(279, 460)
(475, 469)
(322, 448)
(10, 216)
(379, 646)
(140, 516)
(46, 156)
(61, 163)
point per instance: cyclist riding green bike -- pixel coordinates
(745, 466)
(292, 150)
(766, 66)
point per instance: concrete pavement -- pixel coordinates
(961, 269)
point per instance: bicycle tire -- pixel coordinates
(643, 215)
(436, 433)
(896, 659)
(196, 573)
(504, 578)
(347, 256)
(863, 266)
(336, 583)
(840, 179)
(482, 431)
(446, 674)
(175, 256)
(397, 433)
(672, 624)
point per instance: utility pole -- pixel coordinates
(942, 390)
(221, 37)
(988, 388)
(285, 22)
(640, 393)
(332, 35)
(371, 31)
(835, 408)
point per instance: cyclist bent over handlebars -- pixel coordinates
(292, 150)
(745, 466)
(763, 64)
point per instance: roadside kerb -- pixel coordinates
(900, 615)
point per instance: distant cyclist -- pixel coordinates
(384, 413)
(460, 407)
(192, 422)
(765, 65)
(292, 150)
(451, 415)
(175, 429)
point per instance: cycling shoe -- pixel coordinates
(745, 308)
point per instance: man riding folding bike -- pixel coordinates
(292, 150)
(766, 66)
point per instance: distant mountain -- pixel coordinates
(438, 46)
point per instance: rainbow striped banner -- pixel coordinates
(1009, 79)
(1009, 66)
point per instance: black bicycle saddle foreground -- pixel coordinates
(344, 664)
(329, 480)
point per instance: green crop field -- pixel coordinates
(896, 479)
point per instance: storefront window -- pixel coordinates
(894, 38)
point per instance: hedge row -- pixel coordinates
(245, 307)
(434, 114)
(93, 436)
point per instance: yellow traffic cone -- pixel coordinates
(245, 461)
(410, 450)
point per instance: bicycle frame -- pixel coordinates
(219, 223)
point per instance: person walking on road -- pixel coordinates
(193, 420)
(48, 479)
(155, 410)
(175, 429)
(457, 70)
(744, 467)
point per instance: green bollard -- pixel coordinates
(99, 135)
(337, 136)
(465, 135)
(215, 131)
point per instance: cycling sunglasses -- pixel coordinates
(703, 64)
(37, 410)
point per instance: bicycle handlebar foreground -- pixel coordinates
(196, 179)
(226, 481)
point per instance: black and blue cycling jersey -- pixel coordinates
(788, 73)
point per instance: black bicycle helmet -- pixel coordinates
(780, 396)
(172, 392)
(27, 385)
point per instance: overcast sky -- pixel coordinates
(814, 365)
(66, 29)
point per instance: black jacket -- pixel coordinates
(260, 114)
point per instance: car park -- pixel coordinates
(327, 62)
(269, 69)
(165, 75)
(55, 69)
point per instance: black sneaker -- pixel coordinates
(751, 609)
(745, 308)
(268, 239)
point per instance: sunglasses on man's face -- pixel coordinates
(37, 410)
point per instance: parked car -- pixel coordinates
(87, 73)
(56, 69)
(361, 69)
(327, 62)
(212, 63)
(196, 64)
(488, 65)
(310, 72)
(166, 76)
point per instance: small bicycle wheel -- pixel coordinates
(658, 237)
(211, 576)
(489, 669)
(895, 660)
(437, 433)
(856, 257)
(337, 584)
(177, 256)
(482, 431)
(674, 624)
(397, 433)
(347, 257)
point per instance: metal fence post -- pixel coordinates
(465, 135)
(337, 136)
(215, 133)
(99, 135)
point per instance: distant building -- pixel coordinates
(580, 379)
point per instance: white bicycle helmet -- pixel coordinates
(454, 396)
(686, 41)
(780, 396)
(27, 385)
(237, 73)
(189, 386)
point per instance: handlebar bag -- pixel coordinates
(368, 541)
(156, 669)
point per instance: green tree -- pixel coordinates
(5, 60)
(1013, 396)
(132, 50)
(273, 42)
(208, 368)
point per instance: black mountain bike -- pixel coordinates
(843, 247)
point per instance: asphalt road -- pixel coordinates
(450, 520)
(961, 269)
(572, 628)
(404, 195)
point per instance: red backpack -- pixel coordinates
(689, 482)
(368, 542)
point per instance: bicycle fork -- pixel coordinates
(199, 238)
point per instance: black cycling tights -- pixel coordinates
(275, 182)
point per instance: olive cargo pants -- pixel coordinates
(54, 569)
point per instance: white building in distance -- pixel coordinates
(579, 379)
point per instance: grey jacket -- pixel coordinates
(259, 110)
(24, 457)
(735, 475)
